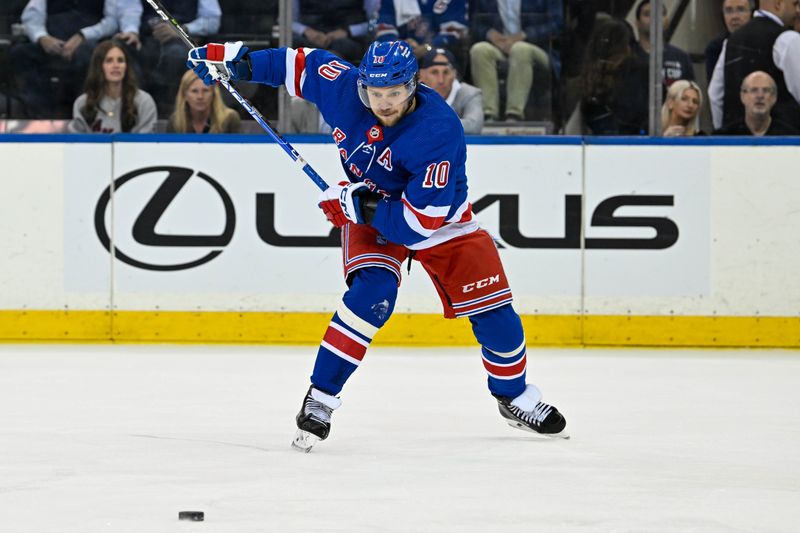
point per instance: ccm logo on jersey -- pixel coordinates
(481, 284)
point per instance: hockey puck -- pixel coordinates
(194, 516)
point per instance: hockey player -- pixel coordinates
(402, 148)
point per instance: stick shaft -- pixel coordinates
(225, 82)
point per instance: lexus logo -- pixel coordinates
(144, 226)
(139, 213)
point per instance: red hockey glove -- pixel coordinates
(342, 203)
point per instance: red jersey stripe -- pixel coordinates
(429, 223)
(299, 68)
(467, 216)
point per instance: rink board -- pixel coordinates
(605, 242)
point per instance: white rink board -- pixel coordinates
(39, 194)
(737, 251)
(680, 272)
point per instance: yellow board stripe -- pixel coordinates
(402, 329)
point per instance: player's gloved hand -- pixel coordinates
(348, 202)
(212, 60)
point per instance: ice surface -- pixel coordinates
(121, 438)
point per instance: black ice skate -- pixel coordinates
(529, 413)
(314, 419)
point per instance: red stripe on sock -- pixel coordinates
(505, 371)
(342, 342)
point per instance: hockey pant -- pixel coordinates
(369, 303)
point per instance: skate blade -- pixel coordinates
(560, 435)
(304, 441)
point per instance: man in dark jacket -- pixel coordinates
(163, 53)
(766, 44)
(62, 35)
(340, 26)
(735, 13)
(758, 96)
(676, 63)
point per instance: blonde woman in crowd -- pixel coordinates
(112, 102)
(679, 114)
(200, 109)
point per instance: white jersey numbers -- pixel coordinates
(330, 71)
(436, 175)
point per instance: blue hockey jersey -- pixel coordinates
(418, 164)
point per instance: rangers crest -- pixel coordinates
(375, 134)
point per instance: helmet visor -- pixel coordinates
(386, 97)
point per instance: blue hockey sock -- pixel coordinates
(365, 307)
(502, 340)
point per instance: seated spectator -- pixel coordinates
(679, 114)
(579, 19)
(200, 109)
(735, 13)
(436, 24)
(339, 26)
(129, 17)
(521, 32)
(758, 95)
(163, 53)
(305, 118)
(677, 65)
(766, 44)
(437, 70)
(615, 95)
(112, 102)
(62, 35)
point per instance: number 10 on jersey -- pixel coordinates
(437, 175)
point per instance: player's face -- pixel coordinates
(199, 96)
(114, 65)
(389, 104)
(439, 77)
(736, 13)
(686, 106)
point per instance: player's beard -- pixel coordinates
(388, 121)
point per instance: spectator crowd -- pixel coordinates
(578, 65)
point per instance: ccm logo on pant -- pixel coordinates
(482, 283)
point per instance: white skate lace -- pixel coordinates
(318, 410)
(536, 416)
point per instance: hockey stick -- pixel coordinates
(225, 82)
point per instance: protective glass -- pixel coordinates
(391, 96)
